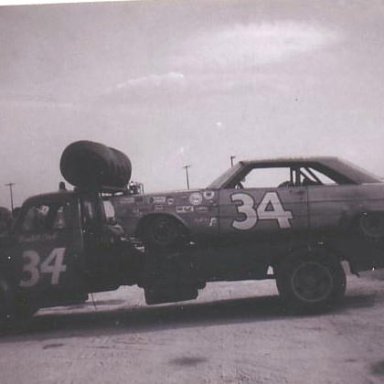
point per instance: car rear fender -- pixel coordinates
(313, 248)
(355, 220)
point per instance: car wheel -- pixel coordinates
(310, 281)
(371, 225)
(163, 232)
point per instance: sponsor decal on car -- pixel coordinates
(213, 222)
(128, 200)
(184, 209)
(202, 209)
(158, 208)
(158, 199)
(196, 198)
(208, 195)
(202, 220)
(170, 200)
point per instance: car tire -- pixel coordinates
(163, 233)
(371, 225)
(310, 280)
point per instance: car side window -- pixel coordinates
(268, 178)
(321, 178)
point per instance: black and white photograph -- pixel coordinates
(192, 192)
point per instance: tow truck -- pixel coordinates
(67, 244)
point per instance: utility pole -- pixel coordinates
(232, 158)
(10, 185)
(186, 174)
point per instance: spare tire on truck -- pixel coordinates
(89, 165)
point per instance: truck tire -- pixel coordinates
(24, 309)
(310, 280)
(163, 233)
(6, 301)
(89, 165)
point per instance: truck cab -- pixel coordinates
(63, 246)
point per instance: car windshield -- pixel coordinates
(227, 175)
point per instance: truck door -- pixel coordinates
(266, 200)
(48, 240)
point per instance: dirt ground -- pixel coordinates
(234, 333)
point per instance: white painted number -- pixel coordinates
(53, 264)
(270, 208)
(271, 199)
(31, 264)
(247, 209)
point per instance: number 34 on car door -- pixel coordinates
(262, 210)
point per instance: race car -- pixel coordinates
(261, 199)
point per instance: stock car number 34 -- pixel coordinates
(261, 199)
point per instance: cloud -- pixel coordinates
(153, 81)
(228, 60)
(247, 46)
(139, 89)
(34, 101)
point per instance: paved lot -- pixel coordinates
(234, 333)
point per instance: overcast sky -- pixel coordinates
(189, 82)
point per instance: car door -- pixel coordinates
(48, 240)
(267, 201)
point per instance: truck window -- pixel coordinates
(109, 212)
(46, 217)
(89, 213)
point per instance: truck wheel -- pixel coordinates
(162, 232)
(6, 301)
(24, 309)
(310, 281)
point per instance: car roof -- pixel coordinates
(290, 160)
(333, 163)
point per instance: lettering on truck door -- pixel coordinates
(47, 245)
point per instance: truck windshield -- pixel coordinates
(46, 217)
